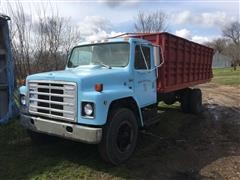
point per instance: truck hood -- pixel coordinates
(90, 72)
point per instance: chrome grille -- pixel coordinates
(52, 99)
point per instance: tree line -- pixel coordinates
(44, 43)
(40, 43)
(229, 43)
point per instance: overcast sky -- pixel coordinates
(197, 20)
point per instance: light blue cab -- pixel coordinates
(99, 79)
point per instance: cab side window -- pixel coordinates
(142, 57)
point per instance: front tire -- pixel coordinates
(119, 136)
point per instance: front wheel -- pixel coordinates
(119, 136)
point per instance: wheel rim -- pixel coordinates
(124, 137)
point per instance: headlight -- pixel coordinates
(88, 109)
(23, 99)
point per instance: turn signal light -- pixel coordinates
(99, 87)
(21, 82)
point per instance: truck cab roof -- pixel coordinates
(115, 40)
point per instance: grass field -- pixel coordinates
(226, 76)
(60, 159)
(20, 158)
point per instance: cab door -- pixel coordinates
(144, 75)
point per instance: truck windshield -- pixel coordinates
(108, 55)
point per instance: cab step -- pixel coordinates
(150, 118)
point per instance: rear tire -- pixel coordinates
(169, 98)
(185, 100)
(119, 136)
(196, 101)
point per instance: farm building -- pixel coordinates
(221, 61)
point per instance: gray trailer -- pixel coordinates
(6, 72)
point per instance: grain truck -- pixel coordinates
(110, 89)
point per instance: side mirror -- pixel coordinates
(156, 52)
(158, 59)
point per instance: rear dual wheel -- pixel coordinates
(196, 101)
(191, 101)
(185, 100)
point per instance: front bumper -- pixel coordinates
(65, 130)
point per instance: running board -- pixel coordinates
(153, 119)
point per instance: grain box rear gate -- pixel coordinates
(6, 72)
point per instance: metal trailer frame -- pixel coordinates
(7, 79)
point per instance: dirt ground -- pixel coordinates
(184, 146)
(181, 146)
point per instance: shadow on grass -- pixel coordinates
(177, 148)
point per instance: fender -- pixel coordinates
(130, 103)
(103, 101)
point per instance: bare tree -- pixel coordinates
(219, 45)
(233, 51)
(54, 29)
(21, 36)
(56, 36)
(232, 34)
(72, 37)
(42, 44)
(151, 22)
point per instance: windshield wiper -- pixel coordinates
(98, 62)
(105, 65)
